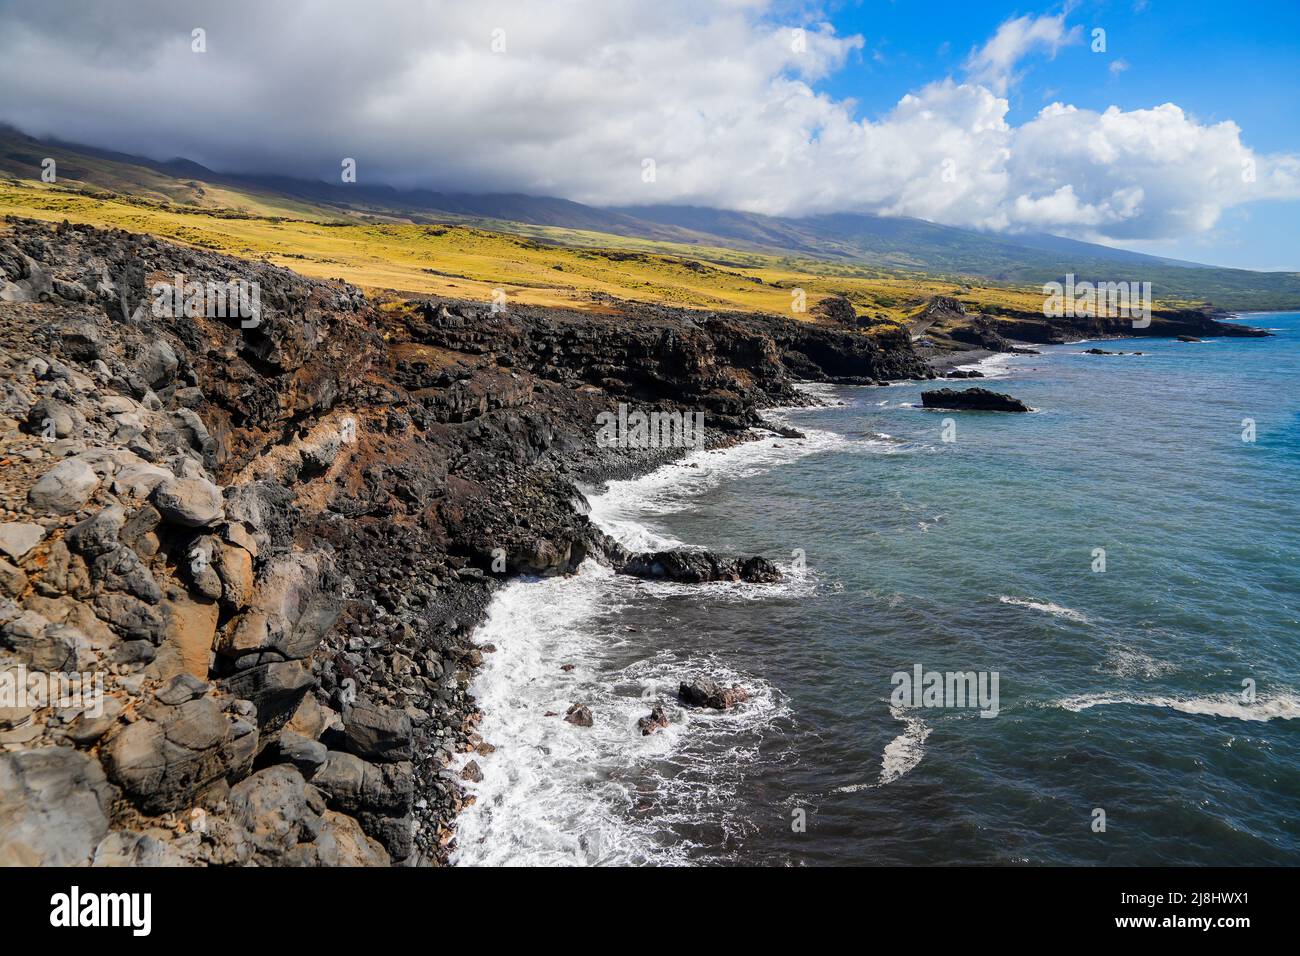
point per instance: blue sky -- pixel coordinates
(1237, 61)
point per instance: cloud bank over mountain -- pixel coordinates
(572, 98)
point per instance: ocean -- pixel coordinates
(1125, 561)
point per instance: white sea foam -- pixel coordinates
(901, 755)
(821, 391)
(1278, 707)
(904, 752)
(994, 366)
(1046, 607)
(795, 582)
(1125, 662)
(556, 794)
(621, 508)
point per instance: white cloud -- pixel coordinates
(1139, 174)
(995, 62)
(716, 91)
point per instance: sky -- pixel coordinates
(1161, 126)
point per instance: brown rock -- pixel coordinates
(191, 628)
(656, 719)
(704, 692)
(579, 715)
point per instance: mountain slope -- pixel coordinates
(863, 244)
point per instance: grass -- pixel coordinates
(468, 263)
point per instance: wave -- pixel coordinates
(820, 391)
(556, 794)
(1281, 707)
(1047, 607)
(619, 508)
(796, 582)
(994, 366)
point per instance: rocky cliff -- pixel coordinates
(270, 533)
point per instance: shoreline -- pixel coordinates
(565, 748)
(625, 472)
(906, 749)
(365, 479)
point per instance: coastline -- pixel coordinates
(902, 753)
(366, 479)
(541, 769)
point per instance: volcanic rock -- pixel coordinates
(705, 692)
(972, 400)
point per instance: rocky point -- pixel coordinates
(271, 541)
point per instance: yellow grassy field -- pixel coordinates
(466, 263)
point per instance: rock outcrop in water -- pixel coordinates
(706, 692)
(697, 567)
(271, 536)
(972, 400)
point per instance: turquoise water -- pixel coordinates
(1120, 690)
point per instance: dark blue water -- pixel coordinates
(1120, 690)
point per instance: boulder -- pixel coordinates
(19, 537)
(287, 612)
(157, 363)
(278, 812)
(579, 715)
(377, 733)
(85, 730)
(696, 566)
(122, 569)
(98, 534)
(13, 581)
(46, 645)
(189, 502)
(342, 842)
(54, 805)
(657, 719)
(380, 796)
(304, 753)
(139, 479)
(64, 488)
(758, 570)
(50, 416)
(275, 688)
(167, 759)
